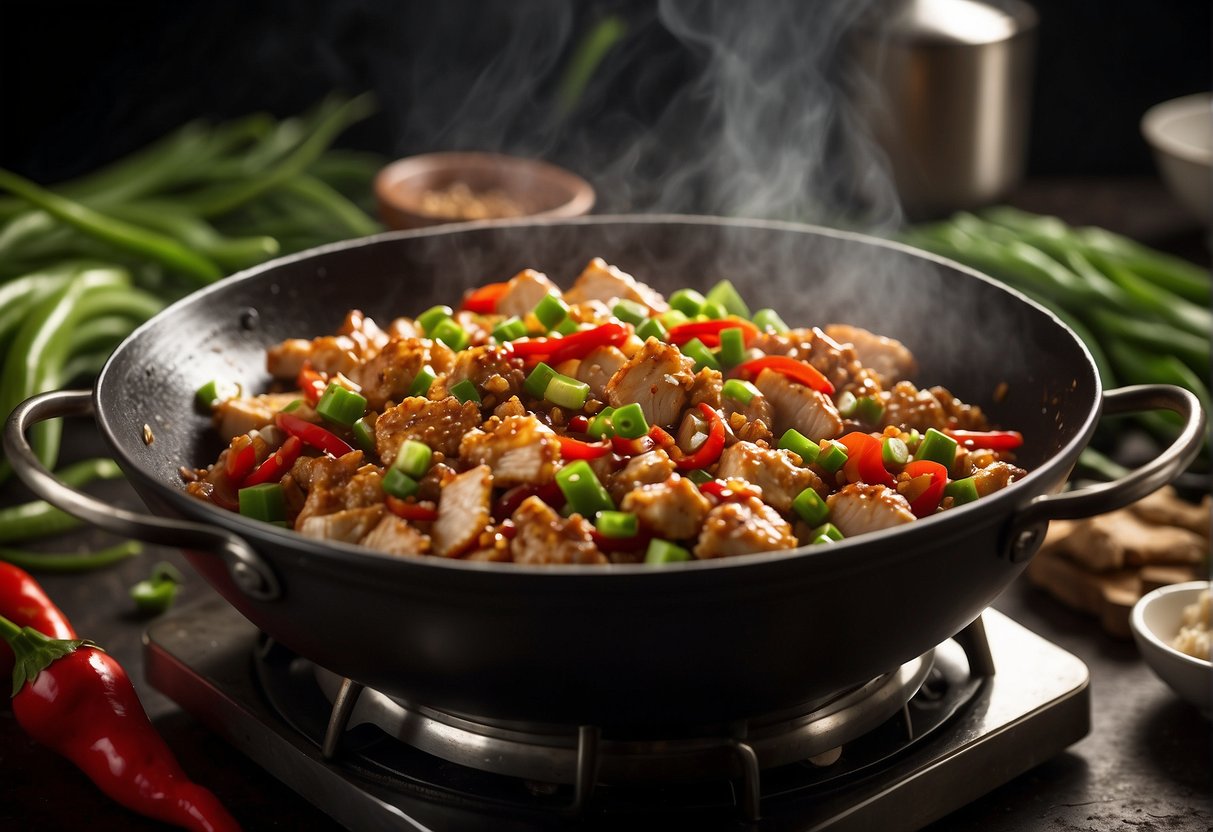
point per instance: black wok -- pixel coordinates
(615, 645)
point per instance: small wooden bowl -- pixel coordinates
(437, 188)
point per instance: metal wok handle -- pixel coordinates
(248, 570)
(1027, 529)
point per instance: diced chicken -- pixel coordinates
(348, 525)
(492, 369)
(957, 414)
(751, 429)
(239, 416)
(887, 357)
(396, 536)
(387, 377)
(523, 291)
(642, 469)
(599, 281)
(401, 328)
(672, 509)
(597, 368)
(742, 527)
(337, 484)
(996, 476)
(910, 407)
(706, 388)
(463, 512)
(837, 362)
(521, 450)
(859, 508)
(800, 407)
(328, 354)
(510, 407)
(758, 410)
(544, 537)
(658, 377)
(368, 338)
(771, 470)
(440, 424)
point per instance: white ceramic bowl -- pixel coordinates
(1155, 622)
(1180, 132)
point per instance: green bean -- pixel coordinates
(330, 202)
(18, 296)
(104, 330)
(1191, 349)
(84, 366)
(39, 518)
(71, 561)
(586, 57)
(1164, 304)
(230, 252)
(344, 169)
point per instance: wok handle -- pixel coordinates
(248, 570)
(1027, 529)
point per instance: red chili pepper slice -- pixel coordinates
(576, 345)
(709, 331)
(632, 447)
(571, 448)
(311, 383)
(661, 436)
(277, 463)
(240, 460)
(508, 502)
(579, 424)
(483, 301)
(409, 510)
(710, 450)
(313, 435)
(635, 543)
(928, 500)
(725, 493)
(791, 368)
(865, 460)
(995, 440)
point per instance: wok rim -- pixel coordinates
(997, 508)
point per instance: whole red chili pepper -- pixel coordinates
(23, 601)
(76, 700)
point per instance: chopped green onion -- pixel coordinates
(421, 384)
(567, 327)
(768, 320)
(266, 502)
(509, 329)
(550, 310)
(215, 392)
(413, 458)
(822, 539)
(293, 406)
(799, 444)
(630, 311)
(451, 333)
(810, 507)
(652, 328)
(699, 476)
(663, 551)
(399, 484)
(617, 524)
(938, 447)
(713, 311)
(962, 491)
(702, 356)
(629, 421)
(687, 301)
(732, 346)
(465, 391)
(846, 404)
(341, 406)
(893, 451)
(600, 425)
(868, 410)
(833, 456)
(431, 317)
(725, 294)
(582, 489)
(567, 392)
(364, 436)
(827, 530)
(739, 391)
(536, 384)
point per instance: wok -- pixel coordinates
(624, 646)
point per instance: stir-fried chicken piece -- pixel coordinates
(492, 369)
(706, 387)
(643, 469)
(837, 362)
(440, 424)
(759, 410)
(521, 450)
(888, 358)
(510, 407)
(348, 525)
(859, 508)
(387, 377)
(796, 406)
(996, 476)
(463, 512)
(910, 407)
(771, 470)
(658, 377)
(396, 536)
(328, 354)
(523, 291)
(241, 415)
(673, 509)
(544, 537)
(597, 368)
(743, 527)
(599, 281)
(337, 484)
(958, 414)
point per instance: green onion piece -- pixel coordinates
(536, 384)
(827, 530)
(421, 384)
(567, 327)
(157, 593)
(652, 328)
(413, 458)
(364, 436)
(725, 294)
(961, 491)
(293, 406)
(768, 320)
(822, 539)
(913, 439)
(601, 425)
(550, 310)
(341, 406)
(399, 484)
(582, 489)
(215, 392)
(687, 301)
(629, 421)
(450, 333)
(630, 311)
(617, 524)
(810, 507)
(868, 409)
(431, 317)
(699, 476)
(702, 356)
(938, 447)
(732, 346)
(846, 404)
(662, 551)
(567, 392)
(465, 391)
(739, 391)
(833, 456)
(263, 502)
(509, 329)
(893, 451)
(799, 444)
(673, 318)
(713, 311)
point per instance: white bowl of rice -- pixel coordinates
(1172, 628)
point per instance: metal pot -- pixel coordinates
(691, 644)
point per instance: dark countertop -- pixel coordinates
(1145, 764)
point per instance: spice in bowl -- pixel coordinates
(1194, 631)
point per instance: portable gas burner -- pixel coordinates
(895, 753)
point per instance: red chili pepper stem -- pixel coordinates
(27, 605)
(33, 651)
